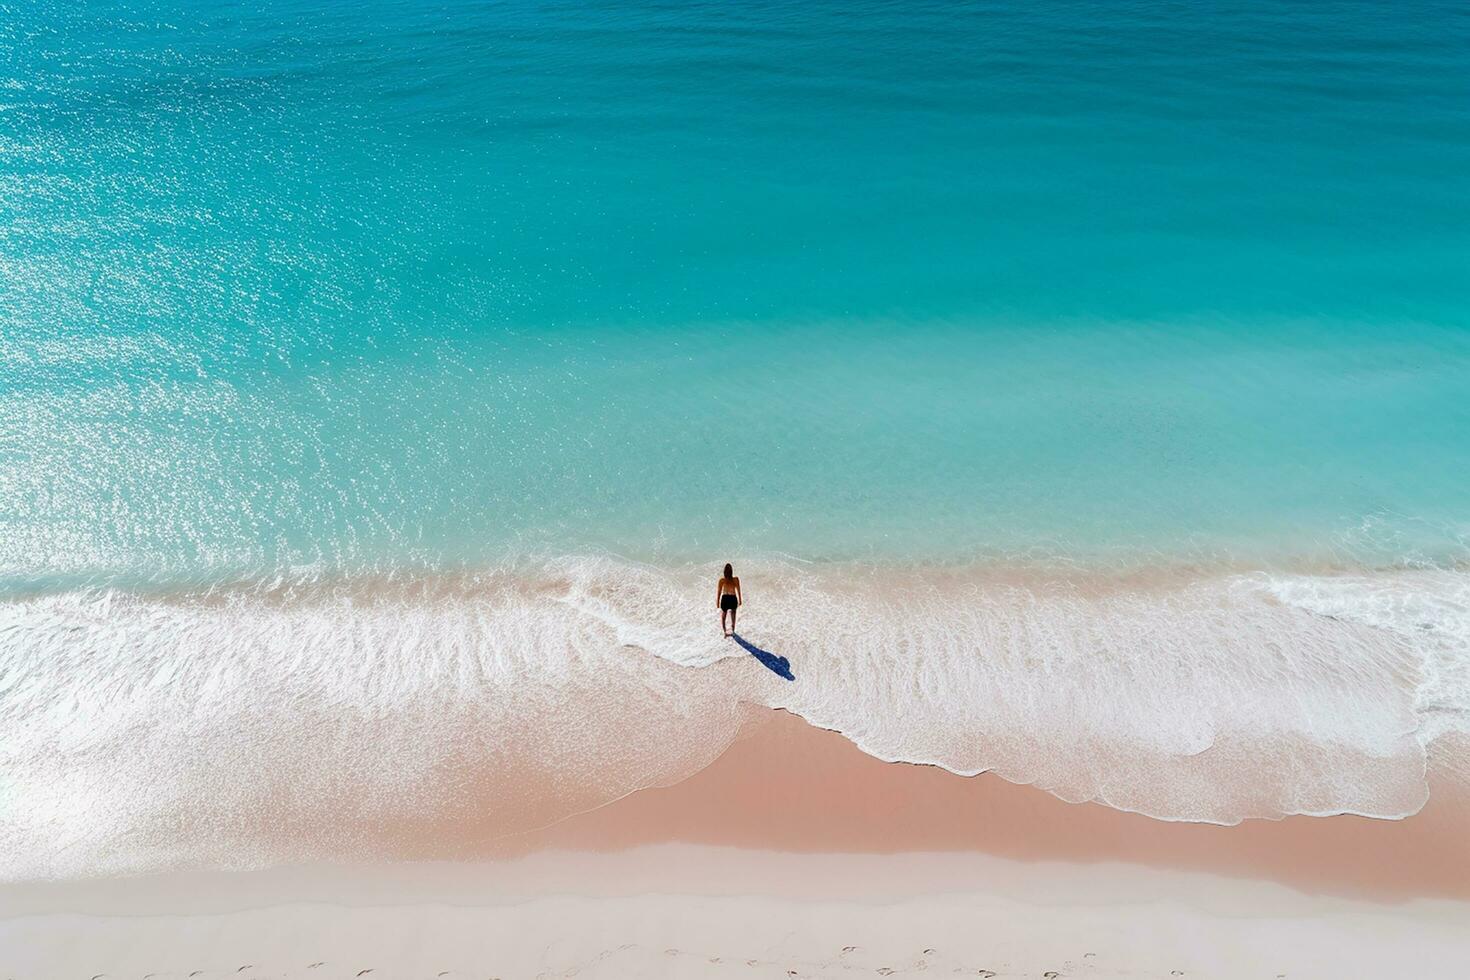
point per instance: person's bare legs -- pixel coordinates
(723, 612)
(732, 619)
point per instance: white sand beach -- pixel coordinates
(690, 911)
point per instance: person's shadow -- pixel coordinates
(773, 663)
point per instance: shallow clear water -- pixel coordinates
(297, 294)
(295, 285)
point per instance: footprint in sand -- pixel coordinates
(986, 973)
(848, 949)
(1051, 975)
(885, 971)
(363, 973)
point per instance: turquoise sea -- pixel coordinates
(403, 358)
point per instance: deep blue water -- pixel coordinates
(332, 286)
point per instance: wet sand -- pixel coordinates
(796, 855)
(787, 786)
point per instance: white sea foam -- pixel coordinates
(1429, 610)
(140, 731)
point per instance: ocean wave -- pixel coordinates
(252, 725)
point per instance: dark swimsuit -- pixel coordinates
(728, 601)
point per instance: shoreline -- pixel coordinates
(784, 785)
(794, 854)
(364, 721)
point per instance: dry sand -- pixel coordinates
(690, 911)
